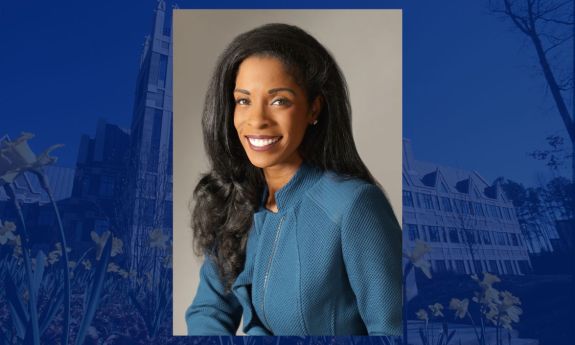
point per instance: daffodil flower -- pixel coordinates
(436, 309)
(117, 246)
(17, 243)
(7, 232)
(100, 242)
(417, 257)
(422, 315)
(459, 306)
(123, 273)
(112, 267)
(16, 157)
(158, 239)
(167, 261)
(87, 264)
(488, 280)
(55, 255)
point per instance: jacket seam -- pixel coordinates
(299, 298)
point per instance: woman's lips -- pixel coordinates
(262, 142)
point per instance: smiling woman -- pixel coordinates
(271, 117)
(297, 236)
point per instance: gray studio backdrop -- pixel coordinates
(367, 45)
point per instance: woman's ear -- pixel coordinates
(315, 109)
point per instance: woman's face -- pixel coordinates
(271, 113)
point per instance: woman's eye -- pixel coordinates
(281, 101)
(242, 101)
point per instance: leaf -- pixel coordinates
(5, 338)
(141, 310)
(449, 337)
(38, 272)
(17, 309)
(94, 293)
(57, 298)
(440, 339)
(423, 337)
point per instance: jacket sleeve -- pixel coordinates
(213, 311)
(371, 246)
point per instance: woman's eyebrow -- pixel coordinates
(246, 92)
(271, 91)
(276, 90)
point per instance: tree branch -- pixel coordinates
(518, 21)
(556, 21)
(553, 8)
(558, 43)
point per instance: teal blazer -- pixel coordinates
(327, 263)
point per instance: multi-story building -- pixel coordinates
(469, 224)
(148, 202)
(99, 182)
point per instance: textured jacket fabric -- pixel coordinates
(327, 263)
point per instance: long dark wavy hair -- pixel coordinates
(228, 195)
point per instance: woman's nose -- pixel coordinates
(258, 116)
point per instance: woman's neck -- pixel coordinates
(277, 177)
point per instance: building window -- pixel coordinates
(493, 266)
(463, 206)
(446, 204)
(427, 201)
(453, 235)
(469, 236)
(442, 232)
(499, 238)
(486, 237)
(514, 240)
(107, 186)
(412, 232)
(460, 266)
(506, 213)
(477, 265)
(407, 199)
(509, 267)
(436, 203)
(163, 72)
(440, 266)
(434, 234)
(493, 211)
(417, 199)
(478, 209)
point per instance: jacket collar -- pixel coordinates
(290, 194)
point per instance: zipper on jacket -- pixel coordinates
(266, 277)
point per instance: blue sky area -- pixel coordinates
(473, 94)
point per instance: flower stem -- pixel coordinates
(27, 263)
(480, 341)
(66, 328)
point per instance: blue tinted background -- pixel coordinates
(474, 99)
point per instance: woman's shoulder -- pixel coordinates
(337, 194)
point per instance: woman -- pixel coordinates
(297, 236)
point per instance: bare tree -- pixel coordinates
(548, 24)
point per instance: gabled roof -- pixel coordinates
(449, 180)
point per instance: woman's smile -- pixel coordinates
(262, 142)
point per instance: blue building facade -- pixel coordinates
(148, 202)
(469, 224)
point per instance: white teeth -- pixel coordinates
(262, 142)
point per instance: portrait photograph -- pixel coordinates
(287, 180)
